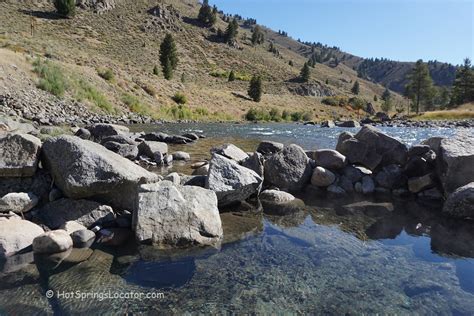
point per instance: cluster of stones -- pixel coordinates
(382, 119)
(69, 191)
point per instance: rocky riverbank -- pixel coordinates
(73, 191)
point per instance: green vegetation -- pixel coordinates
(207, 15)
(386, 95)
(305, 73)
(231, 76)
(85, 91)
(226, 74)
(335, 101)
(420, 86)
(180, 98)
(232, 31)
(255, 88)
(65, 7)
(156, 72)
(274, 115)
(106, 74)
(387, 106)
(149, 89)
(463, 88)
(51, 79)
(258, 37)
(356, 88)
(134, 104)
(168, 56)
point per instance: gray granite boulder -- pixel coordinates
(18, 202)
(83, 169)
(100, 131)
(322, 177)
(231, 182)
(460, 203)
(289, 170)
(255, 162)
(19, 154)
(329, 159)
(151, 148)
(275, 196)
(16, 235)
(230, 151)
(177, 216)
(267, 147)
(55, 241)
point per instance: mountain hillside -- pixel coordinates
(106, 55)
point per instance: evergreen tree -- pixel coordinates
(375, 98)
(463, 88)
(207, 15)
(168, 56)
(255, 88)
(386, 95)
(420, 85)
(156, 72)
(356, 88)
(290, 63)
(232, 31)
(305, 73)
(65, 7)
(257, 36)
(231, 76)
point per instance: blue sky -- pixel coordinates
(403, 30)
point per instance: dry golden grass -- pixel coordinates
(465, 111)
(115, 41)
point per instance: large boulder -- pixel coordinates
(151, 148)
(330, 159)
(391, 177)
(124, 150)
(351, 123)
(322, 177)
(100, 131)
(52, 242)
(457, 161)
(176, 216)
(289, 170)
(267, 147)
(255, 162)
(87, 213)
(19, 155)
(18, 202)
(16, 235)
(371, 148)
(231, 182)
(460, 203)
(83, 169)
(419, 184)
(230, 151)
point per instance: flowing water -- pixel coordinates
(318, 259)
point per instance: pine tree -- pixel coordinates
(420, 85)
(386, 95)
(255, 88)
(356, 88)
(463, 88)
(65, 7)
(168, 56)
(231, 76)
(232, 31)
(375, 98)
(305, 73)
(156, 72)
(207, 15)
(257, 36)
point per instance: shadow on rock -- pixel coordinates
(453, 238)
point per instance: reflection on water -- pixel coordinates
(403, 259)
(317, 256)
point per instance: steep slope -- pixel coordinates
(126, 39)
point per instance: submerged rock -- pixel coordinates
(83, 169)
(176, 216)
(231, 182)
(19, 154)
(289, 169)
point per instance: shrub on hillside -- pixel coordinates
(65, 7)
(51, 78)
(106, 74)
(180, 98)
(335, 101)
